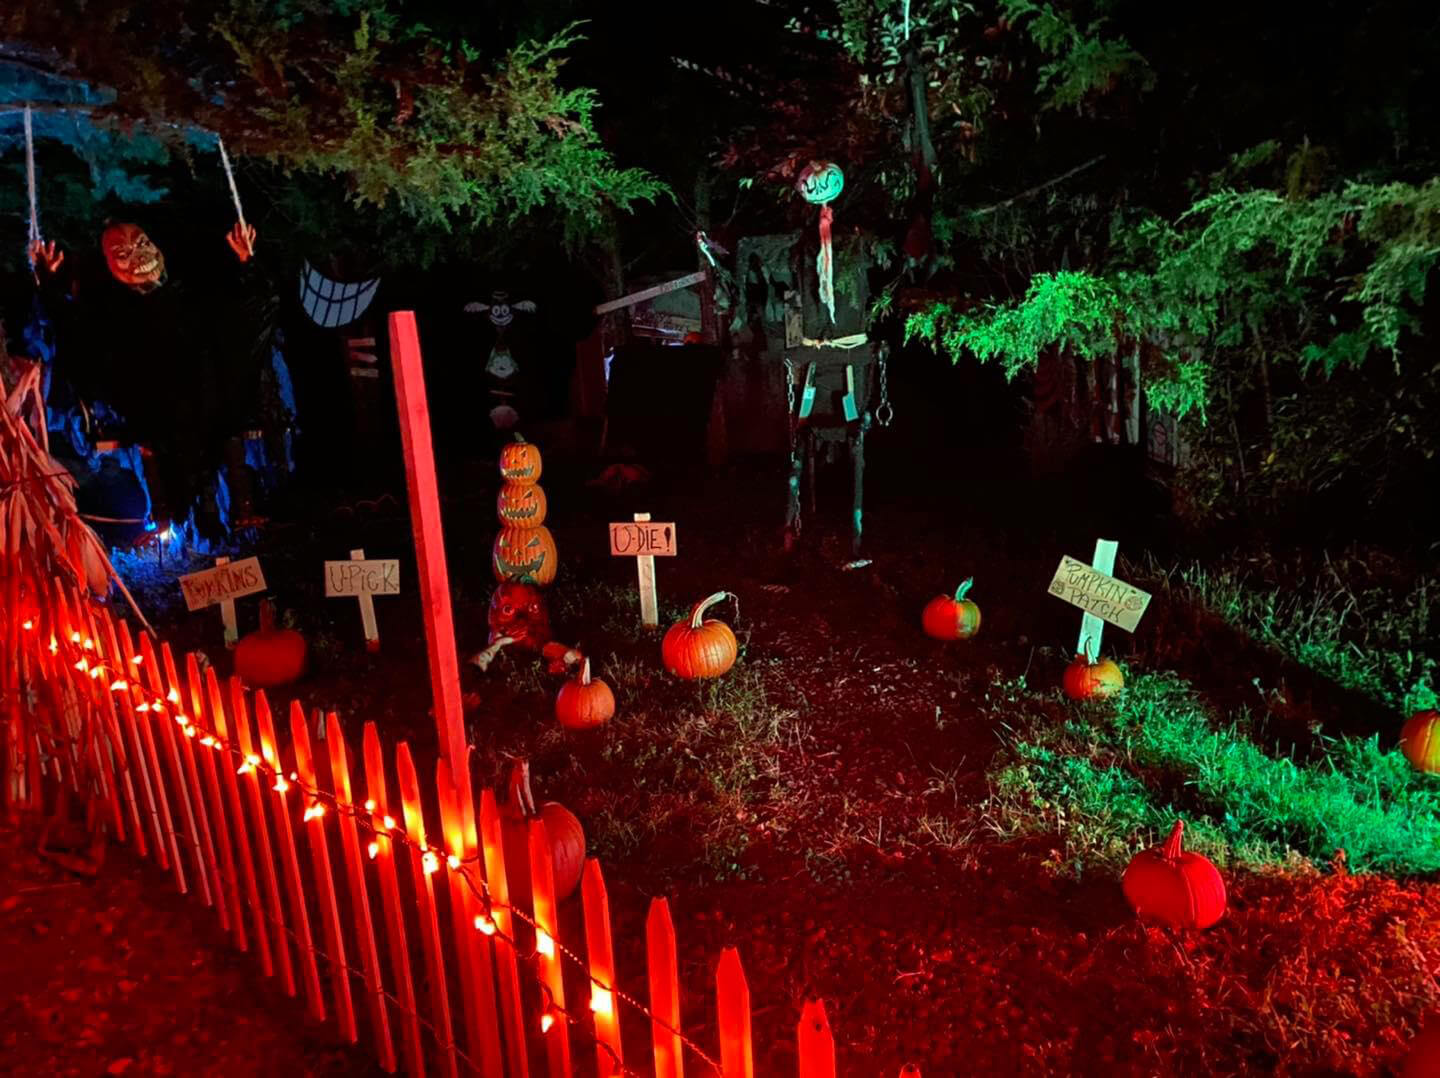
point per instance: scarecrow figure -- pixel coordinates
(176, 368)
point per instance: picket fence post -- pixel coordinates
(814, 1042)
(664, 991)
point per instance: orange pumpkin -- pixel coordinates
(520, 462)
(1085, 680)
(525, 555)
(696, 647)
(1420, 740)
(1166, 884)
(952, 619)
(269, 656)
(562, 828)
(583, 702)
(521, 504)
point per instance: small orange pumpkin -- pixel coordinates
(521, 504)
(1085, 680)
(1166, 884)
(952, 619)
(1420, 740)
(525, 555)
(269, 656)
(583, 702)
(696, 647)
(562, 828)
(520, 462)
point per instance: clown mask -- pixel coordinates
(133, 259)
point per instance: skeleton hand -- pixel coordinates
(241, 239)
(484, 658)
(46, 254)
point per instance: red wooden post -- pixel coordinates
(429, 542)
(240, 717)
(556, 1031)
(815, 1042)
(423, 865)
(209, 867)
(477, 976)
(244, 855)
(664, 991)
(732, 996)
(493, 841)
(910, 1070)
(390, 894)
(210, 751)
(603, 1001)
(313, 822)
(359, 896)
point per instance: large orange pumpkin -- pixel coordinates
(521, 504)
(562, 828)
(952, 619)
(1166, 884)
(696, 647)
(525, 555)
(520, 461)
(583, 702)
(269, 656)
(1085, 680)
(1420, 740)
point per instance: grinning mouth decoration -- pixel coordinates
(524, 571)
(517, 473)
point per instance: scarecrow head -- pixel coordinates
(518, 611)
(133, 258)
(500, 310)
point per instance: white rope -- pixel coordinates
(30, 178)
(234, 191)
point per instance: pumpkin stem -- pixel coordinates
(1174, 845)
(585, 673)
(705, 604)
(520, 793)
(1087, 649)
(519, 437)
(964, 589)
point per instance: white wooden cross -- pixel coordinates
(361, 580)
(1092, 629)
(1103, 598)
(222, 585)
(642, 541)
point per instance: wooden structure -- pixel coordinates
(402, 934)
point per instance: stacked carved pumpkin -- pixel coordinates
(524, 550)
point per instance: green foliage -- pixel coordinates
(1082, 62)
(444, 130)
(1108, 777)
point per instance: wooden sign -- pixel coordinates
(643, 540)
(223, 584)
(1100, 595)
(362, 580)
(643, 537)
(650, 293)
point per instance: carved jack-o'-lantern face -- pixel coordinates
(522, 504)
(820, 182)
(520, 462)
(133, 258)
(518, 611)
(526, 555)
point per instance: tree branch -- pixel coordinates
(1031, 192)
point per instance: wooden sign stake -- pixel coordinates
(227, 615)
(1092, 629)
(367, 611)
(356, 579)
(649, 600)
(424, 494)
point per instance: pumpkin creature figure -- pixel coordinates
(502, 373)
(820, 183)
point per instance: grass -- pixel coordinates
(1342, 620)
(1111, 778)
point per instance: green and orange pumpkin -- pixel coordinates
(1088, 680)
(1420, 741)
(700, 647)
(947, 618)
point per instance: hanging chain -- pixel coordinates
(885, 411)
